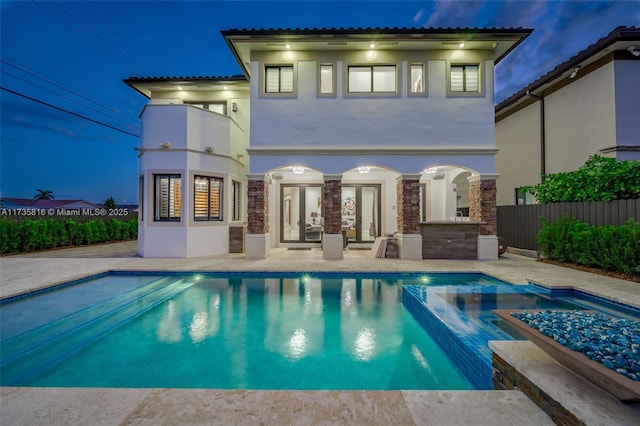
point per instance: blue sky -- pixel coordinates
(74, 54)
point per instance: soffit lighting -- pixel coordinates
(372, 45)
(461, 45)
(225, 87)
(364, 169)
(298, 170)
(288, 46)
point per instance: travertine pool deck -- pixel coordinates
(57, 406)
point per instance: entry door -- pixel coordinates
(300, 213)
(361, 212)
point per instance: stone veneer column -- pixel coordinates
(409, 238)
(257, 242)
(482, 208)
(332, 242)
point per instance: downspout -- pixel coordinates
(543, 166)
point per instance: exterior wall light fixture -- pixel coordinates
(575, 71)
(165, 145)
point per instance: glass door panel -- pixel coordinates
(313, 213)
(349, 212)
(301, 213)
(369, 213)
(361, 212)
(290, 213)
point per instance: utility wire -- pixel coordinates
(96, 35)
(49, 80)
(153, 63)
(69, 112)
(79, 33)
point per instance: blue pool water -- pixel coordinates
(239, 331)
(265, 330)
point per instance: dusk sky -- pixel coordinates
(73, 56)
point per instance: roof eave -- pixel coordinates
(617, 35)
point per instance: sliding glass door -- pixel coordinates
(300, 213)
(361, 212)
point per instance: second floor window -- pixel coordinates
(465, 78)
(278, 79)
(207, 198)
(372, 79)
(417, 78)
(326, 79)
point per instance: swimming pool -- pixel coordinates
(226, 331)
(256, 331)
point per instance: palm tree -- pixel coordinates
(44, 194)
(109, 203)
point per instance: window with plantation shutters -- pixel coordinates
(465, 78)
(236, 187)
(168, 198)
(278, 79)
(207, 198)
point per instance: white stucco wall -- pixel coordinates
(369, 121)
(580, 120)
(518, 161)
(190, 130)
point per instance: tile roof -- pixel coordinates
(215, 78)
(621, 33)
(368, 30)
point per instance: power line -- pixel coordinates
(79, 33)
(104, 24)
(69, 112)
(96, 35)
(66, 97)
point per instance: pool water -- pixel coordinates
(251, 331)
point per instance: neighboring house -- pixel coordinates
(330, 134)
(7, 203)
(589, 104)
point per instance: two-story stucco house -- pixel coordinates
(331, 136)
(589, 104)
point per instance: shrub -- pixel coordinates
(29, 235)
(599, 179)
(614, 248)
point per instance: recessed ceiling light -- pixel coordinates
(372, 45)
(288, 46)
(226, 87)
(461, 44)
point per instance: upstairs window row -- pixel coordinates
(463, 79)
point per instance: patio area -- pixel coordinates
(53, 406)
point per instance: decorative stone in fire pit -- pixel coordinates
(603, 349)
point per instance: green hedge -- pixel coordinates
(41, 234)
(614, 248)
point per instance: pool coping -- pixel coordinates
(125, 406)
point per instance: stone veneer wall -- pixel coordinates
(408, 206)
(450, 240)
(332, 206)
(236, 238)
(505, 377)
(258, 207)
(482, 205)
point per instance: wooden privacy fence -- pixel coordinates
(519, 225)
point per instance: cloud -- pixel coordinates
(418, 16)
